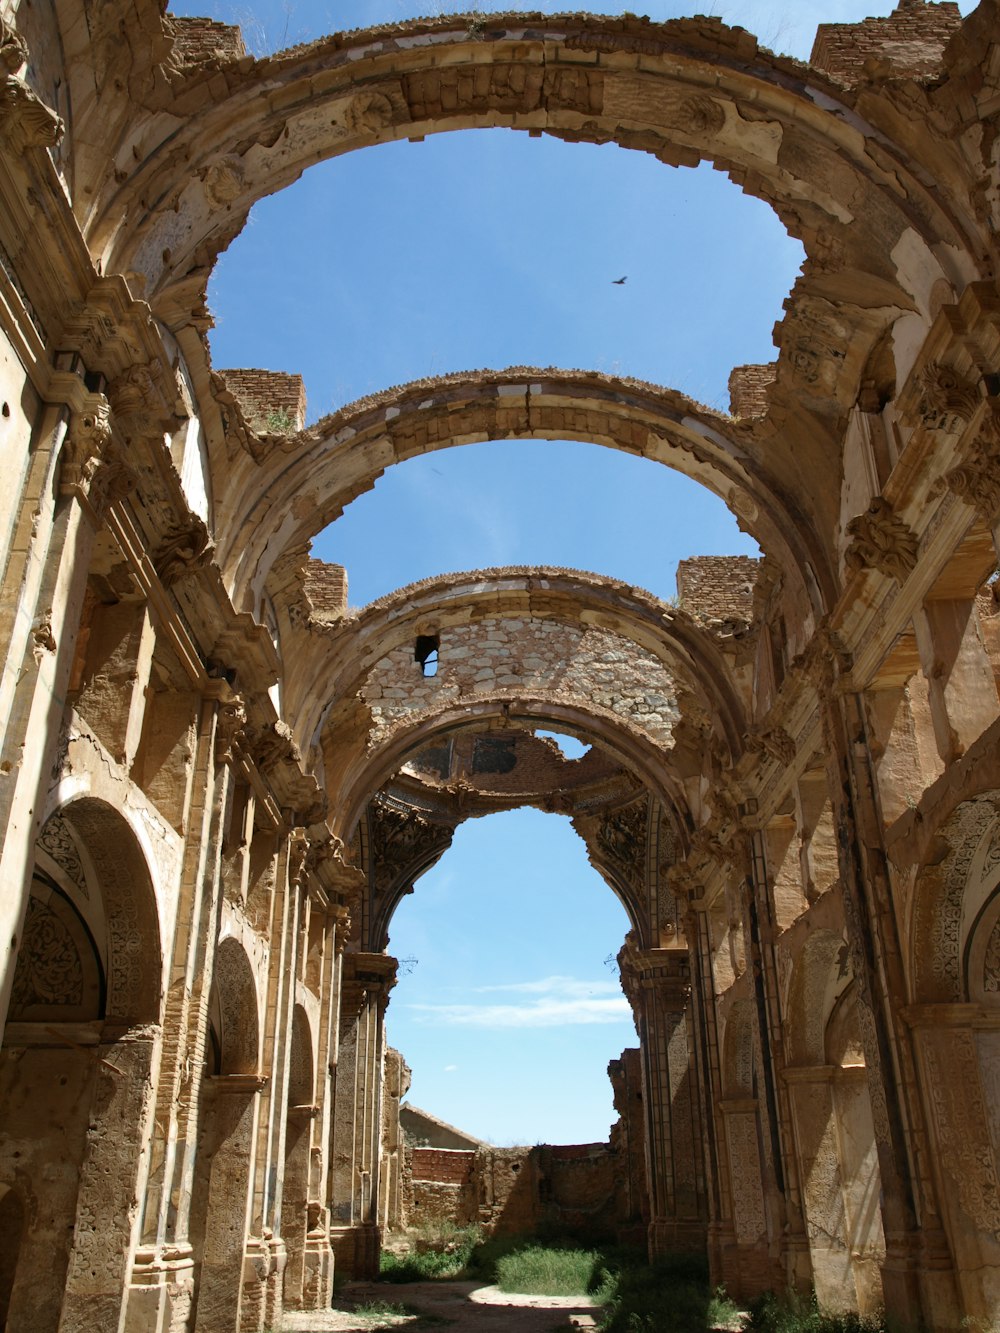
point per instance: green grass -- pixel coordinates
(538, 1270)
(438, 1256)
(414, 1316)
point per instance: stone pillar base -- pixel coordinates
(317, 1279)
(356, 1251)
(160, 1290)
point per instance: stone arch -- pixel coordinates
(367, 771)
(238, 1009)
(959, 876)
(287, 498)
(654, 87)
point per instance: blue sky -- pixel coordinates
(488, 248)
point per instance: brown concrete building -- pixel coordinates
(216, 782)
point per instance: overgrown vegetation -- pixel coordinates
(792, 1313)
(671, 1295)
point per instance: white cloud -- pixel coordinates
(450, 1069)
(554, 1002)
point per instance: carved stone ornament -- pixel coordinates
(134, 391)
(368, 112)
(13, 48)
(880, 540)
(774, 742)
(298, 856)
(621, 837)
(92, 466)
(229, 728)
(948, 402)
(698, 113)
(977, 481)
(25, 121)
(185, 550)
(224, 181)
(402, 842)
(275, 745)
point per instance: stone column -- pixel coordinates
(657, 982)
(779, 1168)
(162, 1278)
(958, 1058)
(316, 1280)
(234, 1111)
(111, 1180)
(354, 1233)
(915, 1275)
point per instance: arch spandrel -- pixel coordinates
(347, 651)
(307, 482)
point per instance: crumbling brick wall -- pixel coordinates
(326, 588)
(200, 39)
(718, 588)
(911, 40)
(748, 387)
(271, 399)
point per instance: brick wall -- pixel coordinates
(326, 588)
(197, 40)
(748, 389)
(443, 1166)
(264, 394)
(718, 588)
(911, 39)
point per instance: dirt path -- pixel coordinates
(461, 1307)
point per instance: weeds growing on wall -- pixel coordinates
(792, 1313)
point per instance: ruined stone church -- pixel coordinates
(217, 780)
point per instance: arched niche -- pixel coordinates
(820, 975)
(952, 897)
(91, 942)
(236, 1007)
(301, 1073)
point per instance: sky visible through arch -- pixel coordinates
(488, 249)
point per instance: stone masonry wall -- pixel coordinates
(911, 40)
(264, 394)
(527, 658)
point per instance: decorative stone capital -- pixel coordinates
(25, 121)
(880, 540)
(977, 481)
(275, 745)
(13, 48)
(92, 467)
(948, 401)
(187, 548)
(775, 742)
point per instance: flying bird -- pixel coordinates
(619, 282)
